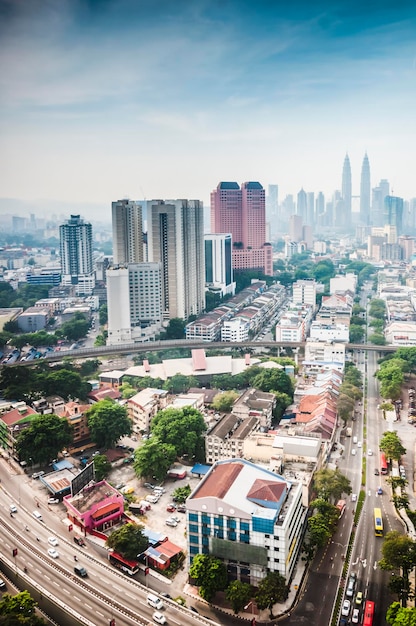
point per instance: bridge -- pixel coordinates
(156, 346)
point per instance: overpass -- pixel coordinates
(156, 346)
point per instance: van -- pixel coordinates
(80, 571)
(37, 515)
(154, 601)
(355, 439)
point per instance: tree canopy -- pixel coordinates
(108, 421)
(331, 484)
(102, 466)
(400, 616)
(31, 383)
(41, 441)
(391, 445)
(239, 594)
(224, 401)
(154, 458)
(271, 589)
(128, 541)
(209, 574)
(19, 609)
(183, 429)
(399, 552)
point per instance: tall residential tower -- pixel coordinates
(346, 192)
(127, 232)
(365, 192)
(76, 255)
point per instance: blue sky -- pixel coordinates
(113, 98)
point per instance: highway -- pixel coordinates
(104, 595)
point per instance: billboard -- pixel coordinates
(82, 479)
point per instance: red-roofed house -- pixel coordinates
(12, 423)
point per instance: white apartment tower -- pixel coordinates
(176, 241)
(127, 232)
(76, 255)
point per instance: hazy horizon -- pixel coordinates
(108, 99)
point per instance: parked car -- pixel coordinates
(181, 508)
(171, 508)
(346, 605)
(79, 541)
(148, 486)
(2, 584)
(359, 598)
(171, 522)
(355, 619)
(38, 474)
(53, 501)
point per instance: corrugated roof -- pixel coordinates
(219, 480)
(199, 362)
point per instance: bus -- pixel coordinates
(129, 567)
(341, 504)
(383, 464)
(378, 523)
(368, 614)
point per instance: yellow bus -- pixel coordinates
(378, 523)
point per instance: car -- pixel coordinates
(359, 444)
(370, 452)
(53, 501)
(355, 619)
(346, 605)
(175, 518)
(53, 541)
(171, 508)
(53, 553)
(166, 595)
(376, 472)
(120, 485)
(379, 491)
(2, 584)
(149, 486)
(353, 497)
(152, 499)
(159, 618)
(353, 452)
(359, 598)
(160, 489)
(80, 571)
(79, 541)
(127, 490)
(38, 474)
(13, 508)
(37, 515)
(192, 608)
(171, 522)
(181, 508)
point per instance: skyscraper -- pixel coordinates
(365, 192)
(302, 205)
(175, 239)
(377, 209)
(218, 263)
(127, 232)
(241, 212)
(346, 192)
(76, 255)
(393, 213)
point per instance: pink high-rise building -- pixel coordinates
(242, 212)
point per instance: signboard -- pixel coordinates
(82, 479)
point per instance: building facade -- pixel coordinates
(127, 232)
(250, 518)
(218, 264)
(176, 241)
(76, 255)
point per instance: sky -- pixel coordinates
(107, 99)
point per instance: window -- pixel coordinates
(193, 517)
(245, 526)
(193, 528)
(194, 550)
(193, 539)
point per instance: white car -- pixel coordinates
(13, 508)
(353, 497)
(53, 501)
(53, 553)
(346, 607)
(360, 444)
(37, 515)
(53, 541)
(355, 619)
(159, 618)
(353, 452)
(370, 452)
(171, 522)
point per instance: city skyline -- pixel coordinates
(107, 100)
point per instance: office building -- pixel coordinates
(377, 206)
(134, 303)
(365, 192)
(175, 239)
(249, 517)
(304, 292)
(272, 209)
(242, 213)
(127, 232)
(346, 192)
(218, 264)
(393, 213)
(76, 255)
(302, 205)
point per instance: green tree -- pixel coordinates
(209, 574)
(182, 493)
(75, 328)
(399, 552)
(270, 380)
(103, 314)
(128, 541)
(179, 383)
(319, 531)
(43, 439)
(108, 421)
(391, 445)
(89, 367)
(100, 340)
(154, 458)
(399, 616)
(224, 401)
(102, 467)
(19, 609)
(176, 328)
(63, 382)
(325, 508)
(331, 484)
(183, 429)
(356, 333)
(345, 406)
(271, 589)
(377, 339)
(239, 594)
